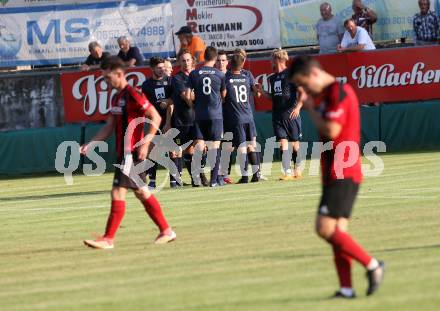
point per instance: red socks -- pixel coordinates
(114, 219)
(152, 207)
(343, 268)
(345, 244)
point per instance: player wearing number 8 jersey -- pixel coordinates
(208, 84)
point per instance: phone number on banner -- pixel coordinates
(238, 43)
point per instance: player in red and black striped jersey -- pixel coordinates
(334, 108)
(129, 108)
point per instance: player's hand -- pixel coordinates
(83, 149)
(163, 104)
(295, 113)
(259, 90)
(143, 152)
(339, 48)
(85, 68)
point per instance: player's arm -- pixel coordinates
(169, 115)
(223, 93)
(256, 91)
(189, 97)
(263, 93)
(102, 135)
(327, 128)
(301, 97)
(189, 101)
(164, 103)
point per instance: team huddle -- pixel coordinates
(206, 102)
(211, 105)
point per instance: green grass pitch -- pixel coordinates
(244, 247)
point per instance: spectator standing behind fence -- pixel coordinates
(95, 58)
(355, 38)
(130, 55)
(363, 16)
(426, 25)
(329, 29)
(194, 44)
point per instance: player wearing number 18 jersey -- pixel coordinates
(338, 123)
(239, 118)
(208, 84)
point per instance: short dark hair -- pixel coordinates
(93, 45)
(349, 20)
(211, 53)
(237, 61)
(112, 63)
(154, 61)
(302, 65)
(221, 52)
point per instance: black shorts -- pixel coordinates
(122, 180)
(243, 132)
(338, 198)
(289, 129)
(186, 134)
(209, 130)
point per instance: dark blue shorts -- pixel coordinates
(209, 130)
(243, 132)
(289, 129)
(186, 134)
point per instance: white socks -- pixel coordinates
(346, 291)
(373, 264)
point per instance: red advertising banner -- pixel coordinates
(408, 74)
(87, 96)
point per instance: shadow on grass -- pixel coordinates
(404, 249)
(52, 196)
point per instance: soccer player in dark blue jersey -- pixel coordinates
(183, 115)
(158, 90)
(225, 172)
(208, 84)
(239, 118)
(286, 119)
(257, 91)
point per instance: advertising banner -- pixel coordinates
(230, 24)
(87, 96)
(298, 19)
(385, 76)
(58, 34)
(408, 74)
